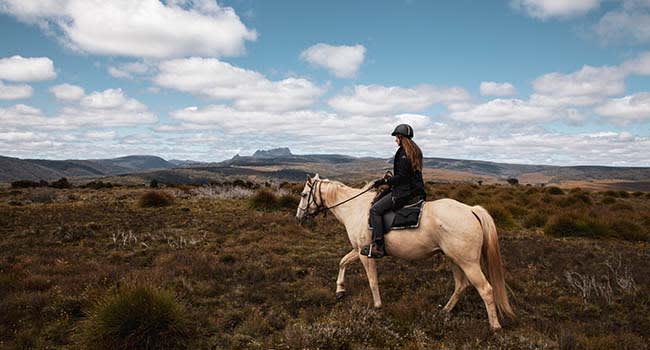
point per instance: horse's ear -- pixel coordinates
(308, 179)
(316, 177)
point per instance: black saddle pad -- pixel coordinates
(405, 217)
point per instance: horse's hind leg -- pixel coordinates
(460, 283)
(371, 271)
(353, 255)
(478, 280)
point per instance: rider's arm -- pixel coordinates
(402, 173)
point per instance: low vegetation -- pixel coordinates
(155, 199)
(226, 266)
(136, 317)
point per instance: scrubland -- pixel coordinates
(229, 268)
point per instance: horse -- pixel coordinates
(466, 235)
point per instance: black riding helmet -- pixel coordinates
(404, 130)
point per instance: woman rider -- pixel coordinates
(406, 186)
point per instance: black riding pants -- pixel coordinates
(376, 220)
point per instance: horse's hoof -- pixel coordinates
(340, 295)
(495, 329)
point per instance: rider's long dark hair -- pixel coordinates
(413, 152)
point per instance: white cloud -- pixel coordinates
(100, 135)
(67, 92)
(316, 126)
(588, 81)
(109, 108)
(545, 9)
(247, 89)
(18, 68)
(21, 136)
(633, 108)
(128, 70)
(377, 99)
(342, 61)
(639, 65)
(15, 91)
(145, 28)
(631, 21)
(492, 88)
(503, 110)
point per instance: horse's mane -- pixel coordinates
(365, 187)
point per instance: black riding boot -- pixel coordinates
(377, 249)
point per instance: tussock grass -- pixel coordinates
(139, 317)
(155, 199)
(264, 199)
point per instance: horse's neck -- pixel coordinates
(337, 193)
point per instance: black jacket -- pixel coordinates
(405, 183)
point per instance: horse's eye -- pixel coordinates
(303, 195)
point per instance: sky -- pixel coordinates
(520, 81)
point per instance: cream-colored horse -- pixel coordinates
(464, 234)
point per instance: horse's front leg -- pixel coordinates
(371, 270)
(352, 256)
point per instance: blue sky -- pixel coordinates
(526, 81)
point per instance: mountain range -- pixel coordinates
(281, 163)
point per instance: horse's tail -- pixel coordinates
(492, 260)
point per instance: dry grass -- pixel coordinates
(253, 279)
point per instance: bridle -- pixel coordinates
(321, 207)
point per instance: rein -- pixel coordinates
(321, 207)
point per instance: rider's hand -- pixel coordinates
(378, 183)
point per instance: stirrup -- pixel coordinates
(367, 251)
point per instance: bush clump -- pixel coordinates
(264, 199)
(61, 183)
(502, 217)
(554, 190)
(26, 184)
(535, 219)
(570, 224)
(136, 318)
(96, 185)
(289, 201)
(628, 230)
(155, 199)
(608, 200)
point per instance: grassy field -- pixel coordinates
(241, 274)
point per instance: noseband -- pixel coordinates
(311, 198)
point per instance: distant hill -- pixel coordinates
(282, 164)
(42, 169)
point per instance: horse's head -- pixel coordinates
(310, 199)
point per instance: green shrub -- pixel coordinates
(554, 190)
(502, 217)
(155, 199)
(517, 211)
(570, 224)
(153, 183)
(25, 184)
(264, 199)
(535, 219)
(96, 185)
(623, 194)
(136, 318)
(608, 200)
(289, 201)
(628, 230)
(61, 183)
(575, 199)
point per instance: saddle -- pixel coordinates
(406, 217)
